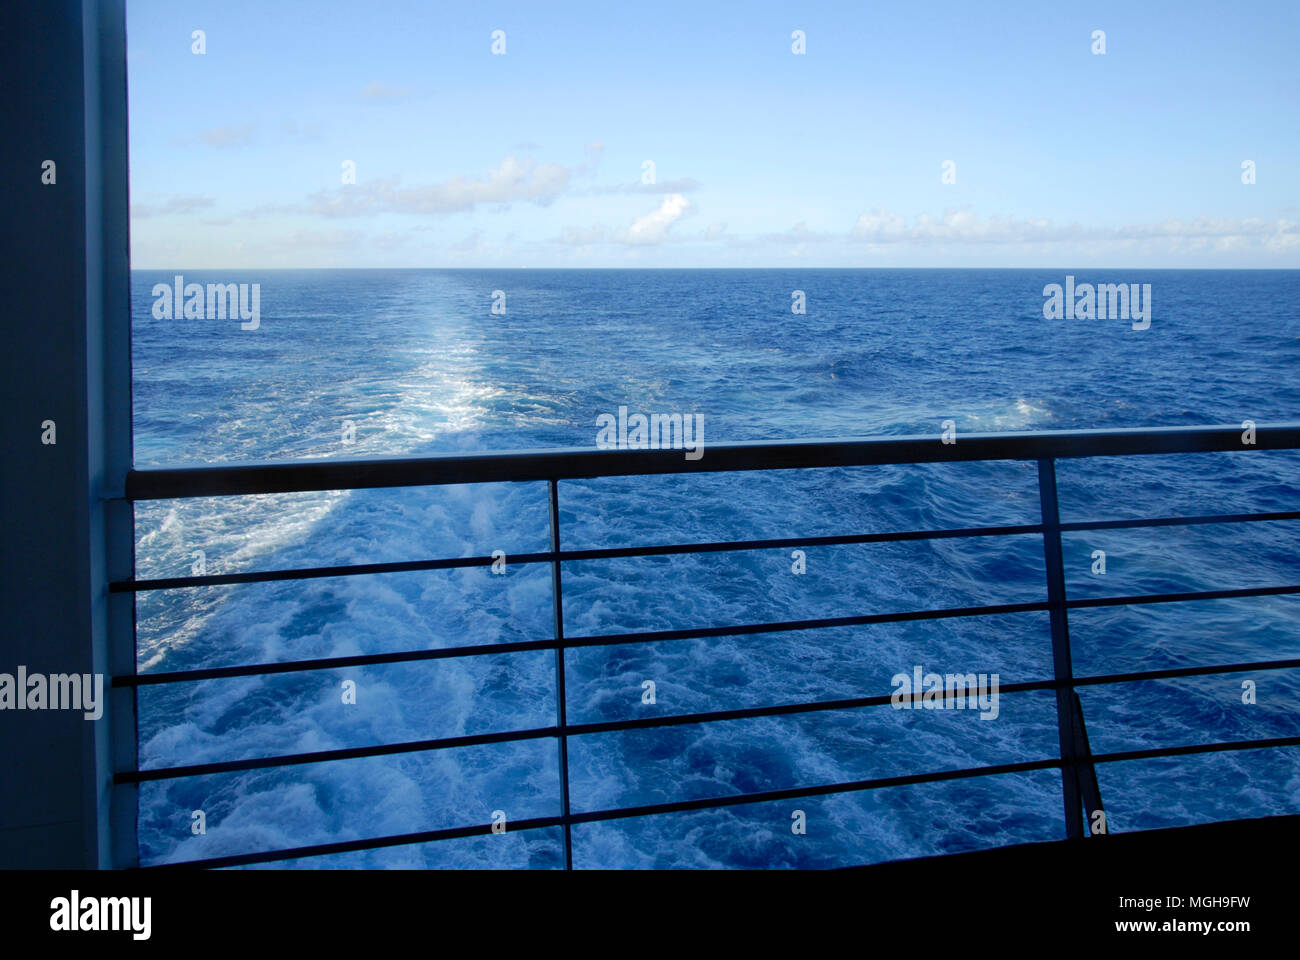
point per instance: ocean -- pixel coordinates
(361, 363)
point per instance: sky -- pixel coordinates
(671, 134)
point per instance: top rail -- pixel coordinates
(573, 463)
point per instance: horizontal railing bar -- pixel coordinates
(610, 553)
(788, 626)
(791, 626)
(329, 756)
(537, 733)
(752, 713)
(330, 663)
(429, 836)
(312, 573)
(1179, 597)
(478, 650)
(566, 556)
(1159, 752)
(710, 803)
(1179, 521)
(1169, 673)
(944, 614)
(355, 846)
(672, 720)
(568, 464)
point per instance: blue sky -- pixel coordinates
(762, 157)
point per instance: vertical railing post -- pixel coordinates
(561, 720)
(1062, 668)
(122, 801)
(1094, 813)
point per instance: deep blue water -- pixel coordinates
(419, 364)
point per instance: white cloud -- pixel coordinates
(594, 151)
(649, 229)
(227, 136)
(309, 132)
(512, 181)
(324, 239)
(169, 207)
(684, 185)
(653, 227)
(956, 226)
(961, 226)
(377, 91)
(391, 239)
(467, 244)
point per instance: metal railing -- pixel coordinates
(1081, 796)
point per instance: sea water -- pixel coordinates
(361, 363)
